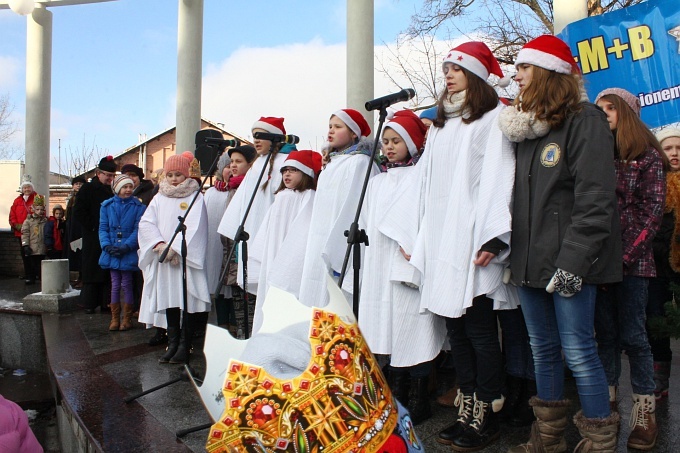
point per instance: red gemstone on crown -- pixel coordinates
(263, 413)
(236, 367)
(234, 403)
(304, 384)
(267, 384)
(319, 349)
(314, 369)
(287, 387)
(217, 434)
(341, 359)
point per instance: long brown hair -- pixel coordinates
(632, 136)
(480, 97)
(306, 183)
(552, 96)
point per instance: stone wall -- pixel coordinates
(10, 257)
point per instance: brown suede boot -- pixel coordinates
(547, 432)
(127, 317)
(600, 435)
(448, 399)
(115, 317)
(643, 423)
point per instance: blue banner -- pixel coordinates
(635, 48)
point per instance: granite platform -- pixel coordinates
(91, 371)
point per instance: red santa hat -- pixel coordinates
(355, 121)
(410, 128)
(270, 124)
(548, 52)
(308, 162)
(476, 57)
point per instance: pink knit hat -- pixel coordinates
(628, 97)
(177, 162)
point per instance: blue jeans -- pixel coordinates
(559, 324)
(620, 325)
(519, 362)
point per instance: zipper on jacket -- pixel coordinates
(526, 262)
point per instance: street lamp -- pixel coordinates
(23, 7)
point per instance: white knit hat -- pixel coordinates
(120, 181)
(667, 133)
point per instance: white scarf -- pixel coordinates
(519, 126)
(183, 189)
(453, 104)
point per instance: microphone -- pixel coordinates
(222, 142)
(386, 101)
(277, 138)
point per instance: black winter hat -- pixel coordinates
(246, 150)
(107, 164)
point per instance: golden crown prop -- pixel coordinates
(339, 403)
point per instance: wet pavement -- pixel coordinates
(96, 370)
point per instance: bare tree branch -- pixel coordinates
(8, 127)
(78, 161)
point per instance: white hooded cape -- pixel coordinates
(237, 208)
(335, 204)
(279, 245)
(389, 311)
(163, 281)
(467, 172)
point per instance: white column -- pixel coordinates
(189, 72)
(38, 98)
(568, 11)
(360, 55)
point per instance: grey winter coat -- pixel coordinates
(565, 210)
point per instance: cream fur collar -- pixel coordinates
(184, 189)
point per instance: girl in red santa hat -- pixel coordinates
(565, 239)
(264, 194)
(462, 245)
(280, 242)
(346, 158)
(389, 312)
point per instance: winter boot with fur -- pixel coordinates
(127, 317)
(464, 403)
(524, 414)
(643, 423)
(419, 400)
(662, 373)
(547, 432)
(115, 317)
(515, 389)
(483, 429)
(600, 435)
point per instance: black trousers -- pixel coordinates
(476, 350)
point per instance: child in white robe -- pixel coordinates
(264, 194)
(337, 196)
(467, 175)
(389, 308)
(279, 245)
(231, 170)
(162, 295)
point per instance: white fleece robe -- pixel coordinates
(389, 311)
(279, 245)
(163, 281)
(237, 208)
(467, 174)
(216, 203)
(335, 204)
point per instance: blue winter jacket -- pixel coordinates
(118, 225)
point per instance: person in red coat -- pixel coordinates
(18, 213)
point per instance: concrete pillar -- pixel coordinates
(54, 277)
(38, 98)
(360, 55)
(189, 72)
(568, 11)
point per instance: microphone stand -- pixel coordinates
(187, 372)
(355, 236)
(242, 236)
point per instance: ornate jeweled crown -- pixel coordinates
(195, 169)
(339, 403)
(39, 200)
